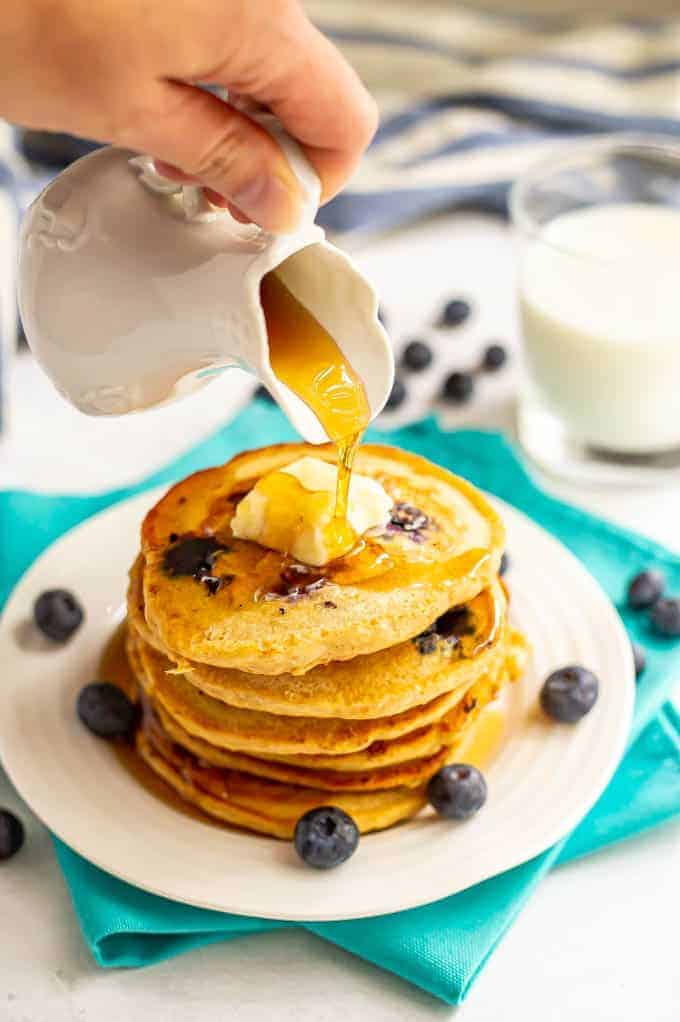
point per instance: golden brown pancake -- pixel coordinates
(376, 685)
(408, 773)
(260, 733)
(260, 613)
(266, 806)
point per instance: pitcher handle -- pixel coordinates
(196, 206)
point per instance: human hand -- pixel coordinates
(125, 72)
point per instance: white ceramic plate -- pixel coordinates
(541, 783)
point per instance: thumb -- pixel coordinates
(223, 149)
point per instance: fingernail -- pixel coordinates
(274, 201)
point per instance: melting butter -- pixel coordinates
(293, 510)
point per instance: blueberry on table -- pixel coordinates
(645, 589)
(57, 614)
(495, 356)
(397, 395)
(457, 791)
(325, 837)
(417, 355)
(505, 564)
(106, 711)
(639, 658)
(569, 693)
(11, 834)
(455, 312)
(458, 388)
(665, 617)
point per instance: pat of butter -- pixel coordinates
(291, 510)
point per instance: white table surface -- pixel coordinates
(598, 940)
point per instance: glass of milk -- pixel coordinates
(599, 301)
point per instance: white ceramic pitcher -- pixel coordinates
(134, 290)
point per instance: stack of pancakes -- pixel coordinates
(269, 688)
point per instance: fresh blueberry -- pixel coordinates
(455, 312)
(397, 395)
(194, 555)
(645, 589)
(495, 356)
(457, 791)
(458, 388)
(106, 710)
(262, 394)
(665, 617)
(505, 564)
(57, 614)
(326, 837)
(11, 834)
(569, 693)
(639, 658)
(417, 355)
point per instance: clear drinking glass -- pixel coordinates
(599, 300)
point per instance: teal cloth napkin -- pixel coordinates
(443, 946)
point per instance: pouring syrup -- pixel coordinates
(305, 357)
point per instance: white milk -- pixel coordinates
(600, 308)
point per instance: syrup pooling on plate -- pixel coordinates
(306, 358)
(114, 666)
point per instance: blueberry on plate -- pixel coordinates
(105, 710)
(645, 589)
(505, 564)
(639, 658)
(57, 614)
(397, 395)
(11, 834)
(665, 617)
(416, 356)
(458, 388)
(569, 693)
(325, 837)
(455, 312)
(495, 356)
(457, 791)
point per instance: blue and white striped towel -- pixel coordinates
(469, 99)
